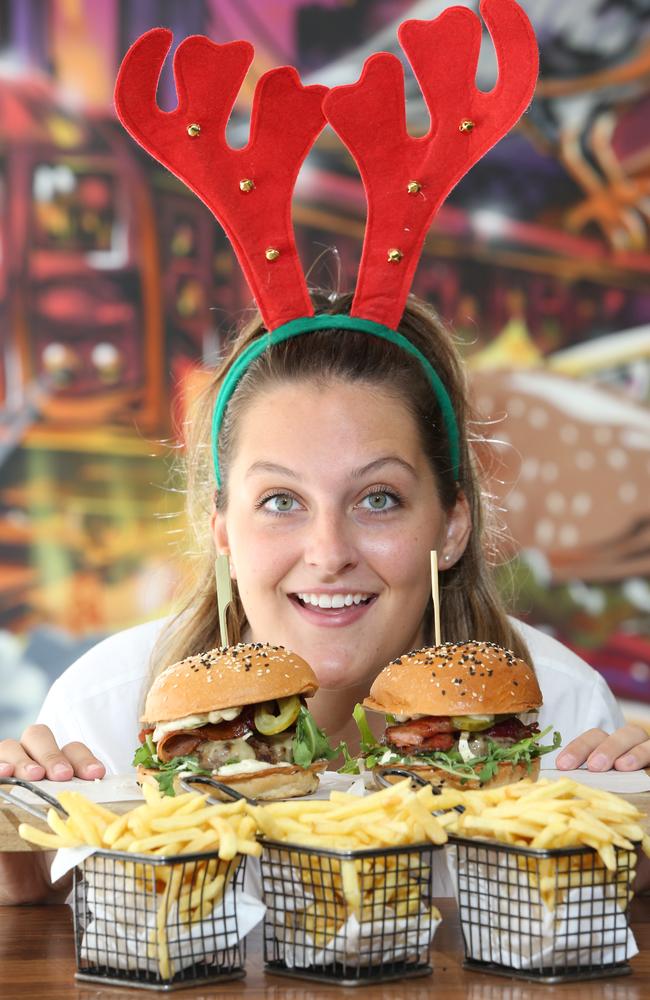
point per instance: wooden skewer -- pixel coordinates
(436, 596)
(224, 595)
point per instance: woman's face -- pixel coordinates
(332, 513)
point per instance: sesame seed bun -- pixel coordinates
(224, 678)
(463, 678)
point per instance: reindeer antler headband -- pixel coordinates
(406, 179)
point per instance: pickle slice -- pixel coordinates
(472, 723)
(268, 723)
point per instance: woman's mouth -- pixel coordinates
(333, 610)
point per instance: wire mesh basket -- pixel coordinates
(158, 922)
(546, 915)
(354, 917)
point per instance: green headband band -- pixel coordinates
(332, 321)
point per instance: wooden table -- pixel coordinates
(37, 961)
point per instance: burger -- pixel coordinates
(460, 714)
(237, 714)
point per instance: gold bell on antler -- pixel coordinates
(467, 125)
(394, 255)
(193, 130)
(246, 185)
(271, 253)
(413, 187)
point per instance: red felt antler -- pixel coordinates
(405, 178)
(249, 190)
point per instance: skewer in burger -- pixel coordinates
(459, 714)
(237, 714)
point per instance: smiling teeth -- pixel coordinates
(333, 600)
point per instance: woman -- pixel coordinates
(336, 482)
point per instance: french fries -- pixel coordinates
(162, 826)
(344, 822)
(548, 815)
(363, 887)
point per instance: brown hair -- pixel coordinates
(470, 605)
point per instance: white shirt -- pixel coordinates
(97, 700)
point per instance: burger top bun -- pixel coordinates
(463, 678)
(225, 678)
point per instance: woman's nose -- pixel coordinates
(329, 545)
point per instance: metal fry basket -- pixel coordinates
(352, 917)
(545, 915)
(158, 922)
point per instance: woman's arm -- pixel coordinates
(25, 878)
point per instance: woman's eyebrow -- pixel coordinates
(364, 470)
(379, 462)
(261, 466)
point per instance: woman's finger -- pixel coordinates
(614, 746)
(39, 743)
(636, 758)
(14, 762)
(576, 752)
(83, 763)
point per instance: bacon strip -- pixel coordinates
(177, 744)
(419, 733)
(181, 742)
(439, 741)
(437, 733)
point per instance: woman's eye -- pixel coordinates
(380, 500)
(280, 503)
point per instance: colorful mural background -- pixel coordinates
(117, 290)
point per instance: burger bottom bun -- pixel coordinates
(507, 774)
(270, 783)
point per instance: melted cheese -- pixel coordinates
(240, 750)
(194, 721)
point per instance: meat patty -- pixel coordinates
(273, 749)
(269, 749)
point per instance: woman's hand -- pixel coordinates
(626, 749)
(37, 756)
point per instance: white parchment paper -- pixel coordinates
(392, 939)
(516, 929)
(122, 933)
